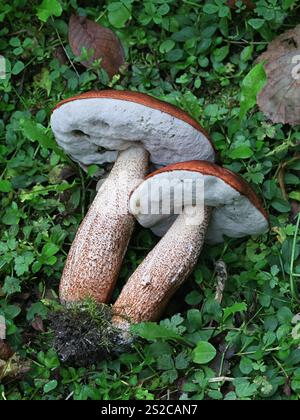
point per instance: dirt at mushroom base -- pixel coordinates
(84, 333)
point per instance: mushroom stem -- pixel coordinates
(101, 241)
(165, 268)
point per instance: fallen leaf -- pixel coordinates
(60, 55)
(2, 328)
(279, 99)
(5, 351)
(248, 3)
(13, 367)
(288, 41)
(84, 33)
(37, 324)
(295, 210)
(61, 172)
(287, 390)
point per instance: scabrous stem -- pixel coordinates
(96, 255)
(162, 272)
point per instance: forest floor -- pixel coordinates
(195, 55)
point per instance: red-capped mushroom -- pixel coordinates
(125, 128)
(225, 206)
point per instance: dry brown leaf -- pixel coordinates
(288, 41)
(37, 324)
(248, 3)
(13, 367)
(295, 210)
(60, 55)
(84, 33)
(5, 351)
(279, 100)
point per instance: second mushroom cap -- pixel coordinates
(237, 211)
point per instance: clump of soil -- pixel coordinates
(83, 333)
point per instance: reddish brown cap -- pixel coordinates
(237, 212)
(90, 124)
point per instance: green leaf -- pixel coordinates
(48, 8)
(92, 169)
(50, 386)
(287, 4)
(295, 195)
(256, 23)
(152, 331)
(11, 285)
(246, 365)
(18, 67)
(40, 190)
(167, 46)
(165, 362)
(220, 53)
(118, 14)
(210, 9)
(284, 315)
(5, 186)
(22, 263)
(240, 152)
(243, 388)
(174, 55)
(194, 319)
(37, 308)
(193, 298)
(12, 311)
(37, 132)
(174, 324)
(182, 360)
(251, 86)
(12, 215)
(246, 54)
(49, 250)
(204, 353)
(281, 205)
(231, 310)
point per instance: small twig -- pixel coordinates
(66, 52)
(293, 285)
(69, 396)
(221, 278)
(220, 379)
(281, 175)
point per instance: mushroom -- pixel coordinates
(130, 129)
(225, 205)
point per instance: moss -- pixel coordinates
(83, 333)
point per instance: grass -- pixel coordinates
(195, 55)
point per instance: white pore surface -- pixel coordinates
(94, 130)
(233, 214)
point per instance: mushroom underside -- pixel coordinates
(233, 214)
(92, 131)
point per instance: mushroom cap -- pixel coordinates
(93, 127)
(237, 211)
